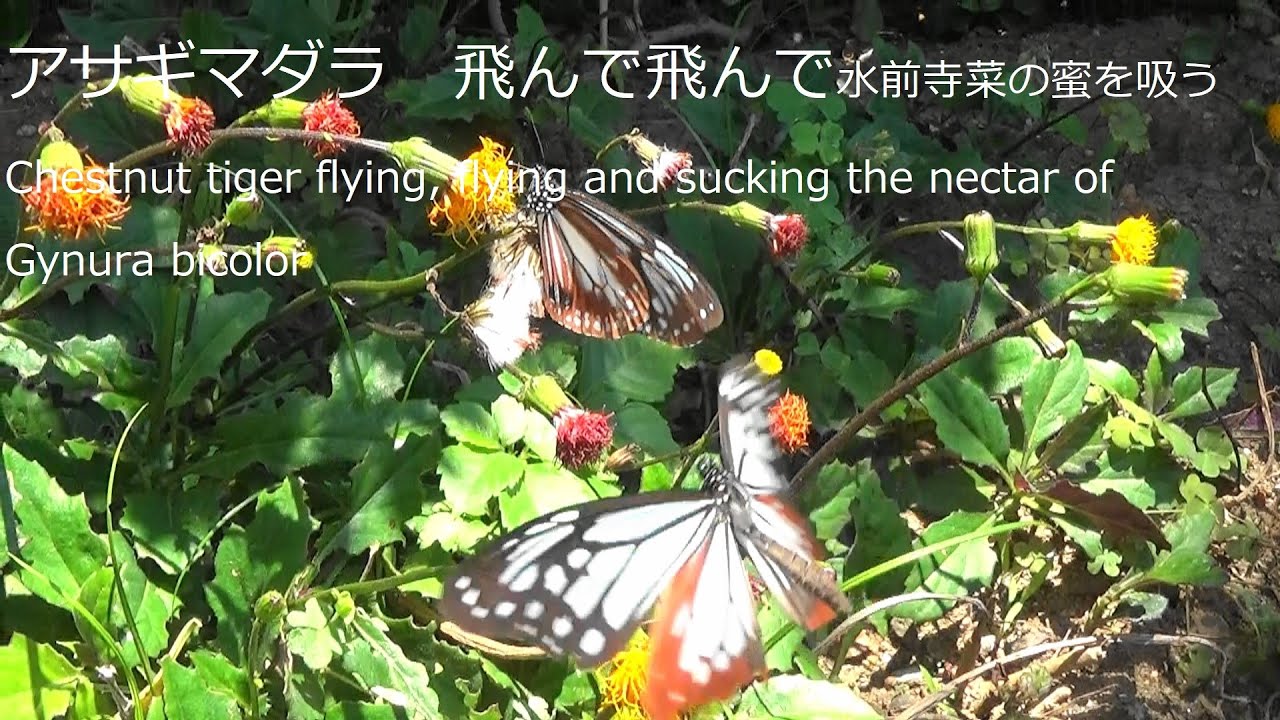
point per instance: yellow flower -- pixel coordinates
(1273, 121)
(480, 193)
(768, 361)
(1134, 241)
(622, 679)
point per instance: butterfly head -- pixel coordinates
(541, 189)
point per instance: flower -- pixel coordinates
(768, 361)
(1140, 284)
(480, 193)
(665, 163)
(328, 115)
(71, 198)
(622, 679)
(787, 234)
(1134, 241)
(789, 422)
(581, 435)
(415, 153)
(214, 258)
(1273, 121)
(187, 122)
(980, 254)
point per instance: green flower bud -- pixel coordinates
(59, 155)
(416, 153)
(881, 274)
(748, 215)
(981, 255)
(270, 608)
(244, 209)
(290, 247)
(545, 394)
(214, 258)
(1145, 285)
(280, 112)
(145, 94)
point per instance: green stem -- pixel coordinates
(846, 434)
(163, 147)
(366, 587)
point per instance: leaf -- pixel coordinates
(150, 605)
(795, 696)
(1112, 377)
(510, 416)
(250, 561)
(1192, 314)
(381, 370)
(1052, 395)
(882, 534)
(643, 425)
(187, 696)
(440, 97)
(167, 526)
(310, 637)
(382, 667)
(386, 490)
(221, 321)
(1166, 337)
(1109, 511)
(470, 479)
(59, 542)
(1188, 397)
(968, 422)
(470, 423)
(960, 570)
(546, 487)
(303, 431)
(1002, 367)
(35, 680)
(418, 34)
(1079, 443)
(634, 366)
(18, 355)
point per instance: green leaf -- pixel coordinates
(968, 422)
(18, 355)
(35, 680)
(546, 487)
(1128, 125)
(1165, 336)
(151, 606)
(796, 696)
(643, 425)
(186, 695)
(60, 543)
(1052, 395)
(386, 490)
(882, 534)
(381, 370)
(418, 34)
(310, 636)
(470, 423)
(1188, 391)
(1112, 377)
(1192, 314)
(221, 321)
(1002, 367)
(960, 570)
(633, 366)
(470, 479)
(436, 97)
(251, 561)
(167, 526)
(510, 416)
(380, 665)
(220, 674)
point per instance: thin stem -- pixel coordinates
(366, 587)
(264, 133)
(837, 443)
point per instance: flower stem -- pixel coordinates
(832, 448)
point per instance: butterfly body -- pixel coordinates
(579, 581)
(605, 275)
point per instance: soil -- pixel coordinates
(1211, 166)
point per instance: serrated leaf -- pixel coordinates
(882, 534)
(386, 490)
(250, 561)
(968, 422)
(381, 370)
(960, 570)
(35, 680)
(59, 542)
(1192, 314)
(643, 425)
(380, 665)
(470, 479)
(167, 526)
(470, 423)
(221, 321)
(634, 366)
(1109, 511)
(1112, 377)
(1003, 366)
(18, 355)
(1188, 396)
(1165, 336)
(150, 605)
(1052, 395)
(187, 696)
(545, 487)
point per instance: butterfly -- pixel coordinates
(605, 275)
(580, 580)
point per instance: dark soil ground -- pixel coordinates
(1210, 166)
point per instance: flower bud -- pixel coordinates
(981, 255)
(1143, 284)
(244, 209)
(291, 247)
(622, 458)
(280, 112)
(145, 94)
(213, 258)
(748, 215)
(416, 153)
(545, 394)
(60, 155)
(881, 274)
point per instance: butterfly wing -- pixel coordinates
(607, 276)
(747, 449)
(578, 581)
(705, 643)
(789, 568)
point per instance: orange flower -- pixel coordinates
(480, 192)
(1273, 121)
(71, 198)
(1134, 241)
(789, 422)
(327, 114)
(187, 122)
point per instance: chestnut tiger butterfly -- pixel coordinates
(580, 580)
(606, 275)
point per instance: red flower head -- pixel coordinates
(668, 165)
(187, 122)
(581, 436)
(327, 114)
(787, 234)
(789, 422)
